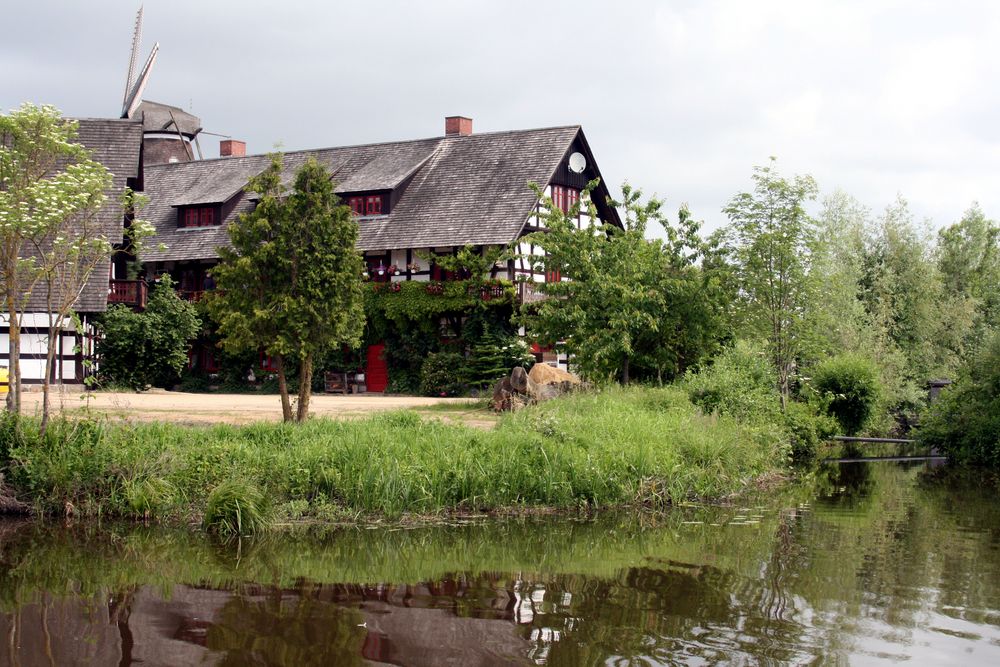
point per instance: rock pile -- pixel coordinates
(522, 388)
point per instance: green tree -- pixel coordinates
(291, 283)
(631, 306)
(149, 348)
(770, 240)
(49, 190)
(965, 421)
(968, 257)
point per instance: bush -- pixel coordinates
(964, 423)
(740, 383)
(236, 508)
(139, 350)
(806, 429)
(849, 390)
(442, 374)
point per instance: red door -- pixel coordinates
(377, 372)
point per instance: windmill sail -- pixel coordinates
(134, 98)
(133, 61)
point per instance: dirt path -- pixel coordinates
(178, 407)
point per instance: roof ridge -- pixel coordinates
(373, 144)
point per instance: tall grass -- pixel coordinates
(617, 447)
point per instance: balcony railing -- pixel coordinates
(129, 292)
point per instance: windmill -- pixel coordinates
(168, 131)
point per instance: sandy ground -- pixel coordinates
(178, 407)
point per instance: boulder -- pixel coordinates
(545, 374)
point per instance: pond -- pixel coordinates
(861, 564)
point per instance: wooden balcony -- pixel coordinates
(128, 292)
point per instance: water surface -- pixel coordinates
(865, 564)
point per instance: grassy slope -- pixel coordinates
(594, 450)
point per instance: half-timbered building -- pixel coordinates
(413, 199)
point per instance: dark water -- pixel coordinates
(867, 563)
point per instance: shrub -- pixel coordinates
(964, 423)
(138, 350)
(236, 508)
(806, 429)
(849, 390)
(740, 383)
(442, 374)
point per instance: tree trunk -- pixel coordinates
(286, 406)
(625, 378)
(305, 387)
(14, 347)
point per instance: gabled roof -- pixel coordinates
(458, 189)
(117, 145)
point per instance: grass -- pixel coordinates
(617, 447)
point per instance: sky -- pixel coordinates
(681, 99)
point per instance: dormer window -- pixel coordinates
(367, 204)
(198, 216)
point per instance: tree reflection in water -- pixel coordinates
(868, 562)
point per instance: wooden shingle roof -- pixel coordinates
(117, 145)
(458, 189)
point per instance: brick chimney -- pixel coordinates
(457, 126)
(232, 148)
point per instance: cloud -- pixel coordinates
(681, 99)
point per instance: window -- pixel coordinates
(267, 363)
(198, 216)
(366, 204)
(553, 275)
(564, 198)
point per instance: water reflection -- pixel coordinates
(868, 563)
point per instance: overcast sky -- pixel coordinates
(679, 98)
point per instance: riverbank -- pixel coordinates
(639, 446)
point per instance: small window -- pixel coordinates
(366, 204)
(564, 198)
(553, 275)
(199, 216)
(357, 205)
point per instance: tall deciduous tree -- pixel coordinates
(50, 191)
(770, 239)
(629, 306)
(291, 283)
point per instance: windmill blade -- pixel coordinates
(135, 96)
(133, 60)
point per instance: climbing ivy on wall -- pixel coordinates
(412, 300)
